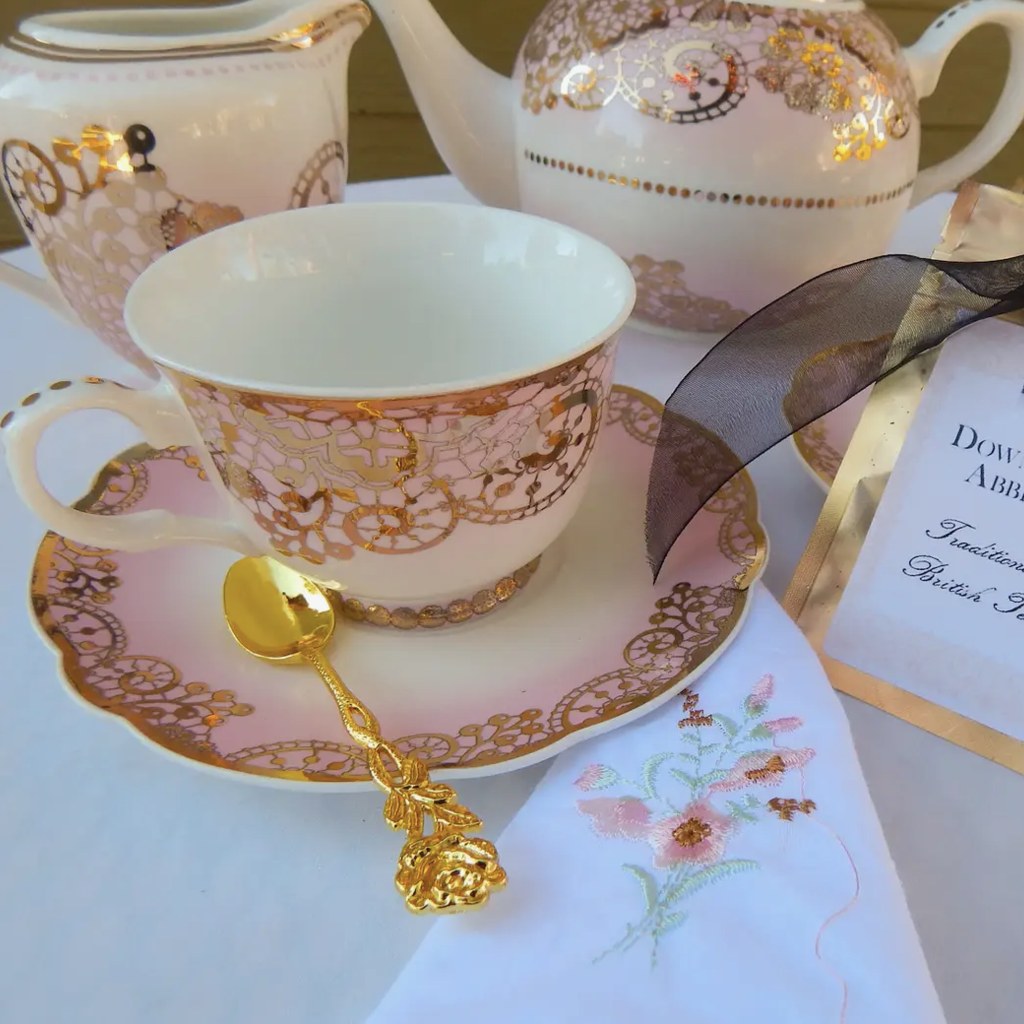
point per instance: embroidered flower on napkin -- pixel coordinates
(680, 808)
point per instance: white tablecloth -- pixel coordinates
(91, 933)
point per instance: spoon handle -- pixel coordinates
(364, 729)
(444, 871)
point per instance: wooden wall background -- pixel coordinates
(388, 139)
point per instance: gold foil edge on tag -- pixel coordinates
(985, 223)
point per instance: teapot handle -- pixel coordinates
(926, 59)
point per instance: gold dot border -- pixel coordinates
(483, 602)
(711, 196)
(60, 385)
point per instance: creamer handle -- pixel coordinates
(40, 289)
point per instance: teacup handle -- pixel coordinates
(158, 414)
(926, 59)
(41, 289)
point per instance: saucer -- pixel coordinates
(822, 444)
(589, 645)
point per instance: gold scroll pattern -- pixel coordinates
(74, 596)
(74, 590)
(813, 445)
(325, 478)
(689, 63)
(662, 297)
(100, 211)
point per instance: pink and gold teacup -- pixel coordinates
(400, 400)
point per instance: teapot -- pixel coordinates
(727, 151)
(126, 133)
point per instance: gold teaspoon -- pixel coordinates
(279, 615)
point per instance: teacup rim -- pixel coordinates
(593, 342)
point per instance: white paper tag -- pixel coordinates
(935, 603)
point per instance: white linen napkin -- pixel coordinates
(717, 862)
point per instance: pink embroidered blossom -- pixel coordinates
(596, 776)
(695, 836)
(763, 769)
(777, 725)
(763, 691)
(622, 817)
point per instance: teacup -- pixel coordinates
(400, 400)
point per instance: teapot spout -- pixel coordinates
(468, 109)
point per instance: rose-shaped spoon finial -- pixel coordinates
(279, 615)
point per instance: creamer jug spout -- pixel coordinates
(287, 22)
(468, 109)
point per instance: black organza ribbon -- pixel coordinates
(802, 356)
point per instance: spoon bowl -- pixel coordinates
(278, 615)
(274, 612)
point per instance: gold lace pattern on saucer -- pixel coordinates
(74, 597)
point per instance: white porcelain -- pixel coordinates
(727, 151)
(127, 132)
(401, 399)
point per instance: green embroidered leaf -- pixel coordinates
(759, 732)
(689, 736)
(692, 758)
(686, 780)
(649, 772)
(714, 776)
(647, 884)
(752, 801)
(670, 922)
(736, 811)
(727, 725)
(713, 873)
